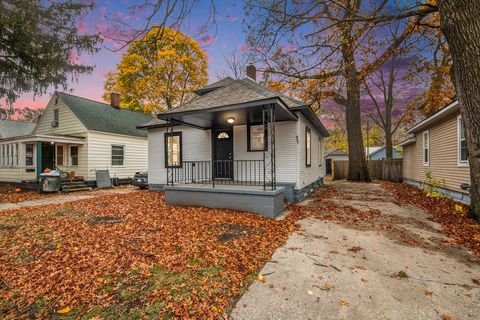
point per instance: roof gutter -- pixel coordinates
(435, 116)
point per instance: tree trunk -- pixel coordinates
(357, 164)
(460, 23)
(388, 142)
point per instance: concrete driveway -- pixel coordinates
(397, 266)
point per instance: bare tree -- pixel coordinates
(236, 65)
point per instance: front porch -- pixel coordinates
(238, 171)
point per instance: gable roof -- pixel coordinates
(13, 128)
(218, 84)
(439, 115)
(336, 152)
(237, 92)
(98, 116)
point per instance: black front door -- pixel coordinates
(48, 156)
(222, 153)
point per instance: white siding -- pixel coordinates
(308, 175)
(285, 146)
(100, 154)
(17, 172)
(68, 123)
(196, 146)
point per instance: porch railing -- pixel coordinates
(220, 172)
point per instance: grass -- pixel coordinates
(100, 258)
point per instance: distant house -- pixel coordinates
(74, 134)
(380, 153)
(237, 145)
(437, 145)
(333, 156)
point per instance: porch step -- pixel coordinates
(74, 186)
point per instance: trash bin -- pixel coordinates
(49, 182)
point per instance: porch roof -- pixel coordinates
(45, 138)
(242, 100)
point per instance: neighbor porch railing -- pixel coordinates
(220, 172)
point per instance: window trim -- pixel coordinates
(165, 147)
(111, 155)
(427, 147)
(308, 131)
(265, 145)
(460, 162)
(33, 155)
(70, 162)
(320, 151)
(63, 155)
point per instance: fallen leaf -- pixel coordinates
(344, 303)
(270, 286)
(364, 280)
(327, 286)
(446, 317)
(476, 281)
(429, 293)
(261, 278)
(310, 292)
(64, 310)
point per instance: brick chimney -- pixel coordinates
(115, 100)
(252, 72)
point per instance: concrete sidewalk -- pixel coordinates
(338, 271)
(63, 198)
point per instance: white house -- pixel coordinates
(77, 135)
(236, 145)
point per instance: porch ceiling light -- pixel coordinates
(231, 120)
(52, 142)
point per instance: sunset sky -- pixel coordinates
(224, 36)
(220, 38)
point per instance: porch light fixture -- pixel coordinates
(231, 120)
(51, 142)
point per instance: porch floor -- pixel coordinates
(268, 203)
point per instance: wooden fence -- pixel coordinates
(386, 170)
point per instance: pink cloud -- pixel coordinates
(82, 26)
(74, 57)
(207, 40)
(233, 18)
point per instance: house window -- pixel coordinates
(308, 147)
(256, 138)
(59, 160)
(462, 143)
(173, 149)
(426, 148)
(118, 155)
(74, 155)
(56, 117)
(320, 152)
(29, 154)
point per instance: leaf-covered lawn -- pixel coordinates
(450, 214)
(13, 194)
(130, 256)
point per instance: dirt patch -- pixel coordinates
(105, 220)
(231, 232)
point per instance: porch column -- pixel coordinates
(39, 158)
(269, 171)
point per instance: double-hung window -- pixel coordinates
(29, 154)
(173, 149)
(60, 155)
(74, 155)
(118, 155)
(308, 147)
(462, 143)
(256, 137)
(426, 148)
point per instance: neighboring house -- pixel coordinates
(437, 145)
(79, 135)
(333, 156)
(380, 153)
(237, 145)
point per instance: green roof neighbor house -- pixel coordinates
(76, 135)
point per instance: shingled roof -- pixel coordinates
(13, 128)
(98, 116)
(238, 91)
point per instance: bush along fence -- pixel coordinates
(386, 170)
